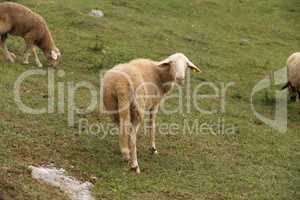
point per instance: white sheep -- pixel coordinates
(132, 89)
(293, 72)
(17, 20)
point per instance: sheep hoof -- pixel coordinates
(136, 169)
(126, 157)
(25, 62)
(153, 151)
(40, 65)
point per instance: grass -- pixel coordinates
(256, 162)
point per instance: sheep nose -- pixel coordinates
(54, 63)
(180, 80)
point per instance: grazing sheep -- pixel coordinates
(132, 89)
(17, 20)
(293, 70)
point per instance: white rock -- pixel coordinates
(96, 13)
(75, 189)
(244, 41)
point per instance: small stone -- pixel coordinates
(244, 41)
(96, 13)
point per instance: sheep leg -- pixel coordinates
(124, 131)
(29, 40)
(37, 60)
(27, 54)
(31, 49)
(297, 97)
(153, 149)
(10, 56)
(1, 42)
(133, 150)
(3, 39)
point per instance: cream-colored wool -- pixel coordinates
(17, 20)
(293, 73)
(293, 65)
(133, 89)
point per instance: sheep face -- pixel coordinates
(293, 93)
(54, 56)
(178, 63)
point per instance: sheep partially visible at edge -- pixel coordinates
(293, 73)
(132, 89)
(17, 20)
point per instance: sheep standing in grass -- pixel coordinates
(132, 89)
(18, 20)
(293, 69)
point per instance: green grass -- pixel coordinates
(255, 163)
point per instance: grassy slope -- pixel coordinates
(256, 163)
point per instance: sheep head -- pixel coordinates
(178, 63)
(293, 93)
(54, 56)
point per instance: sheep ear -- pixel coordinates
(193, 67)
(165, 62)
(54, 55)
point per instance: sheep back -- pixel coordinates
(19, 20)
(120, 88)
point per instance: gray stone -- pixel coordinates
(244, 41)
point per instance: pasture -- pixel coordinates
(234, 41)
